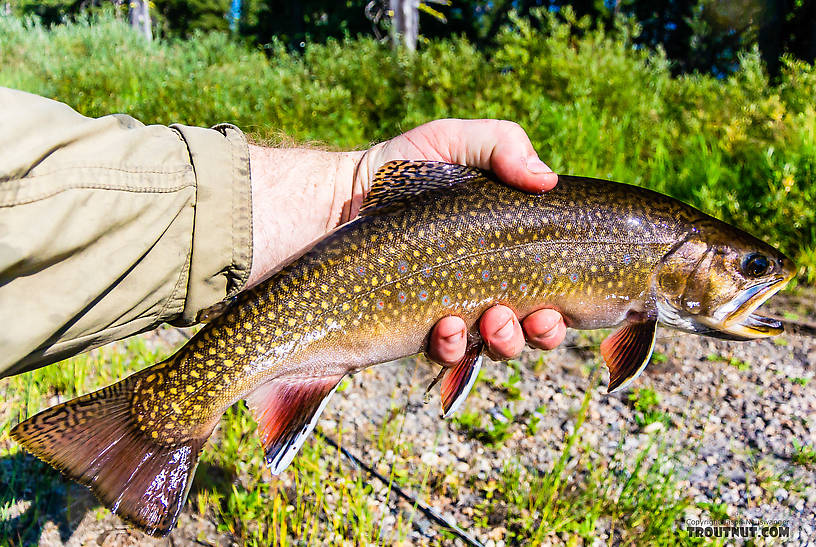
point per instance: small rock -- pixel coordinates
(653, 427)
(781, 494)
(431, 459)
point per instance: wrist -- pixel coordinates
(298, 195)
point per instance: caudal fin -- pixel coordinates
(94, 440)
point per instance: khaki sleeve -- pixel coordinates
(109, 227)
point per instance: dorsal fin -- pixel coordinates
(398, 182)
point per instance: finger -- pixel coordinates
(502, 147)
(544, 329)
(498, 145)
(448, 341)
(501, 332)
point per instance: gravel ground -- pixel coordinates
(733, 410)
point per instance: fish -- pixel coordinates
(432, 239)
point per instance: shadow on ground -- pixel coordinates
(33, 494)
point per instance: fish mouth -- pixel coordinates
(738, 318)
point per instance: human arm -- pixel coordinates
(109, 227)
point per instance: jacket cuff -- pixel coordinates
(221, 255)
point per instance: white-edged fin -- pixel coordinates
(287, 411)
(471, 379)
(627, 352)
(458, 380)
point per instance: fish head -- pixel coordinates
(714, 280)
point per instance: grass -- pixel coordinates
(803, 454)
(567, 502)
(322, 498)
(741, 148)
(646, 403)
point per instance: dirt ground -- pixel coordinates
(732, 411)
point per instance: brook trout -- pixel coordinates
(432, 240)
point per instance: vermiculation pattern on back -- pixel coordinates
(372, 290)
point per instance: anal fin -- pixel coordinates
(458, 380)
(627, 352)
(287, 410)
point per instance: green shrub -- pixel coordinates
(593, 103)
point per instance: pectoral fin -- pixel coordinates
(458, 380)
(627, 352)
(287, 411)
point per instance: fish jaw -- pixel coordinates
(737, 318)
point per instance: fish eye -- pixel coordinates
(755, 265)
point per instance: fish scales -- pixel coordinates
(371, 292)
(433, 240)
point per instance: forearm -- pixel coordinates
(298, 195)
(109, 227)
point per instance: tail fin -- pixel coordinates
(94, 440)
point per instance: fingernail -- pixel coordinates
(505, 332)
(453, 338)
(536, 166)
(542, 338)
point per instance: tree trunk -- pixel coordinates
(235, 15)
(405, 22)
(140, 17)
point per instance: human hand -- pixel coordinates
(504, 148)
(298, 195)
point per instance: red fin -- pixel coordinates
(94, 440)
(627, 352)
(287, 410)
(458, 380)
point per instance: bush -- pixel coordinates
(592, 101)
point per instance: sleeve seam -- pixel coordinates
(126, 188)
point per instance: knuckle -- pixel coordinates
(512, 128)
